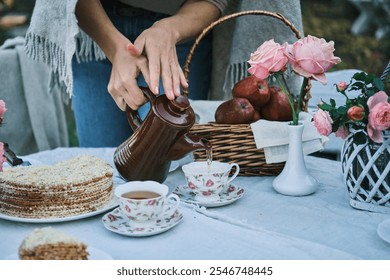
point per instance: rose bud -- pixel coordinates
(341, 86)
(356, 113)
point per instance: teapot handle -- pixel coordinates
(132, 116)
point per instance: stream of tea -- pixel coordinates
(209, 157)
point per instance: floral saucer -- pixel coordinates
(383, 230)
(116, 222)
(232, 194)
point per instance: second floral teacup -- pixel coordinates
(208, 181)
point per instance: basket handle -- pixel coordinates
(235, 15)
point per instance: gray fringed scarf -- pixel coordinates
(54, 37)
(235, 41)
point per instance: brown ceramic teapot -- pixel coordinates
(162, 137)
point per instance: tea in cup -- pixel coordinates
(206, 180)
(144, 202)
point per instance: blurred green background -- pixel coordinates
(332, 20)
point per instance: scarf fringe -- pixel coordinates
(234, 73)
(87, 50)
(43, 50)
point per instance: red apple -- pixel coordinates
(278, 108)
(254, 89)
(235, 111)
(256, 116)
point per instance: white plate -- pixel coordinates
(384, 230)
(231, 195)
(116, 222)
(112, 203)
(94, 254)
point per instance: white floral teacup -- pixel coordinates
(144, 202)
(208, 181)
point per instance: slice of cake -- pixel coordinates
(71, 187)
(50, 244)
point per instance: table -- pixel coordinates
(261, 225)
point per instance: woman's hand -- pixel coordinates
(158, 44)
(154, 52)
(127, 63)
(123, 85)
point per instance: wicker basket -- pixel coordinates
(235, 142)
(366, 170)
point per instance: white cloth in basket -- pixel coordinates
(273, 138)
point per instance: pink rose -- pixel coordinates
(342, 132)
(356, 113)
(323, 122)
(379, 116)
(268, 58)
(311, 57)
(2, 157)
(341, 86)
(2, 110)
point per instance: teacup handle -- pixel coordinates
(170, 208)
(235, 173)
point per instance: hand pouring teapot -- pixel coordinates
(162, 137)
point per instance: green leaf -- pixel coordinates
(360, 76)
(377, 82)
(326, 107)
(370, 92)
(342, 110)
(332, 102)
(357, 85)
(369, 78)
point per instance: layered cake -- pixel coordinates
(50, 244)
(72, 187)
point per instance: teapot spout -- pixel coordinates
(186, 144)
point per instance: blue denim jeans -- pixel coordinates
(99, 122)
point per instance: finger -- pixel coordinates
(139, 45)
(166, 76)
(144, 69)
(120, 102)
(176, 79)
(178, 75)
(133, 50)
(115, 93)
(154, 70)
(183, 80)
(134, 96)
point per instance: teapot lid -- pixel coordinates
(177, 112)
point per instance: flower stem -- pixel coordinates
(283, 85)
(305, 82)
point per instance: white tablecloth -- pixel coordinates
(261, 225)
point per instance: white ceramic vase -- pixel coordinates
(295, 180)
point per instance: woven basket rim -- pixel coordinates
(305, 98)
